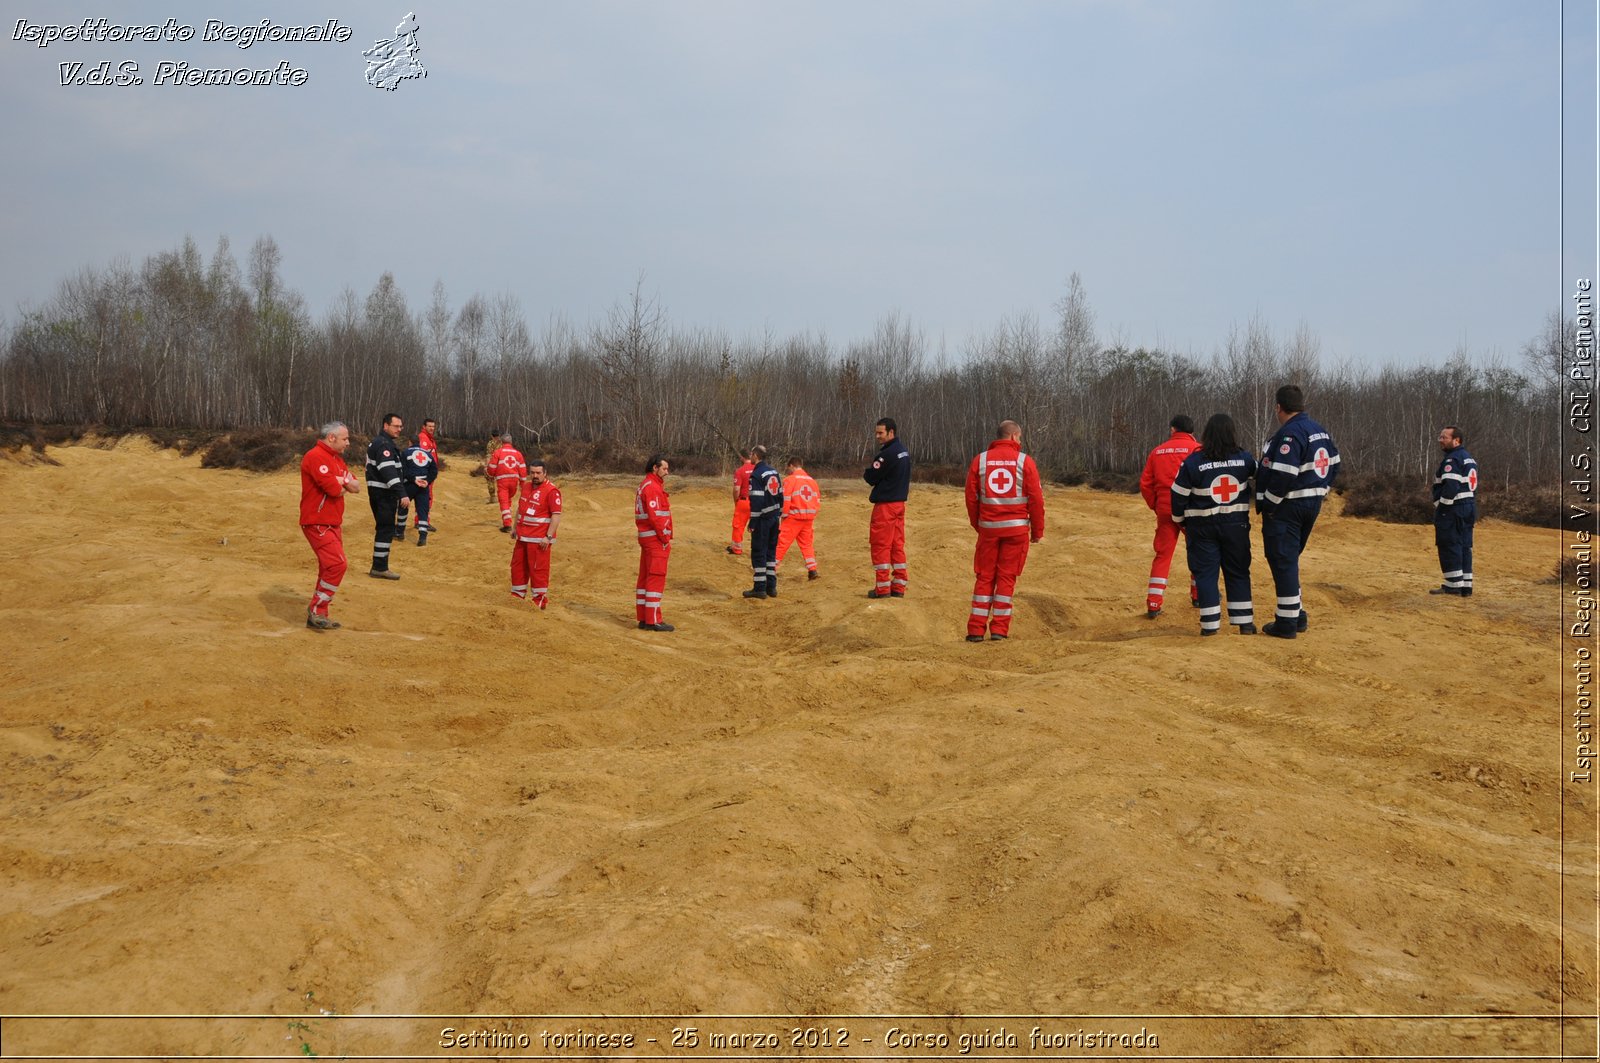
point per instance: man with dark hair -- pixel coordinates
(652, 516)
(324, 481)
(1455, 511)
(1298, 466)
(1005, 504)
(1155, 484)
(766, 510)
(1211, 502)
(538, 519)
(741, 502)
(386, 492)
(890, 477)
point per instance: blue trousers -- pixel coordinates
(764, 552)
(1213, 547)
(1452, 534)
(1284, 535)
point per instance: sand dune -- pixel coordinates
(820, 805)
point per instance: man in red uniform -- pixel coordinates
(324, 481)
(1160, 469)
(741, 502)
(1005, 503)
(428, 439)
(507, 469)
(538, 517)
(652, 515)
(801, 499)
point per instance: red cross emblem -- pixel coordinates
(1001, 482)
(1472, 479)
(1321, 462)
(1224, 488)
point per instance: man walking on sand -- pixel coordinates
(1155, 484)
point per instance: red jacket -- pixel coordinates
(1004, 496)
(322, 477)
(426, 441)
(741, 481)
(1161, 468)
(507, 464)
(652, 513)
(535, 508)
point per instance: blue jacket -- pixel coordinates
(890, 473)
(383, 465)
(1213, 493)
(1298, 465)
(420, 467)
(1455, 485)
(766, 493)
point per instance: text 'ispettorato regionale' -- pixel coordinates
(170, 72)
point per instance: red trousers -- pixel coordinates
(327, 540)
(652, 581)
(997, 564)
(888, 539)
(796, 530)
(1166, 542)
(741, 520)
(530, 571)
(507, 491)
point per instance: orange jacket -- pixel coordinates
(801, 497)
(1004, 496)
(1161, 468)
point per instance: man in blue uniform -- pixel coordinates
(766, 514)
(890, 477)
(386, 492)
(1455, 511)
(1298, 465)
(420, 467)
(1211, 503)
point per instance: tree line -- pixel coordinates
(183, 341)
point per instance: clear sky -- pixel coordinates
(1386, 173)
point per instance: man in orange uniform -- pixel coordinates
(741, 502)
(324, 481)
(538, 517)
(508, 469)
(801, 499)
(1160, 469)
(1005, 503)
(652, 516)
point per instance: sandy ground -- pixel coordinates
(815, 806)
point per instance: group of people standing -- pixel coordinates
(1202, 491)
(399, 480)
